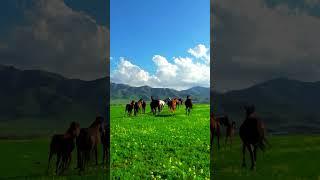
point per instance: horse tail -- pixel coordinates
(263, 144)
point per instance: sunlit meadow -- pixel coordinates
(171, 145)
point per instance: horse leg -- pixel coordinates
(96, 153)
(49, 161)
(218, 136)
(255, 154)
(58, 163)
(252, 157)
(226, 142)
(243, 155)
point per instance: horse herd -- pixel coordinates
(157, 105)
(251, 131)
(85, 140)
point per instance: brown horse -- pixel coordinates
(173, 104)
(214, 129)
(252, 134)
(230, 129)
(137, 107)
(188, 104)
(87, 143)
(105, 141)
(62, 146)
(129, 108)
(144, 104)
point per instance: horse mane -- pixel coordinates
(71, 128)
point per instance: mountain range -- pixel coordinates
(125, 93)
(284, 104)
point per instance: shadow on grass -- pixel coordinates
(165, 115)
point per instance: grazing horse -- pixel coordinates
(155, 104)
(137, 106)
(188, 104)
(144, 104)
(252, 134)
(129, 108)
(62, 146)
(87, 142)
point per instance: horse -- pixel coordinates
(214, 129)
(137, 107)
(180, 102)
(162, 104)
(155, 104)
(144, 104)
(173, 104)
(62, 146)
(230, 132)
(87, 142)
(105, 140)
(252, 134)
(167, 101)
(188, 104)
(129, 108)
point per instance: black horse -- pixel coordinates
(155, 104)
(188, 104)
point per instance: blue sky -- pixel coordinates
(142, 29)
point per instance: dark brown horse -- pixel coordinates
(214, 129)
(230, 129)
(144, 104)
(155, 104)
(137, 107)
(62, 146)
(129, 108)
(87, 143)
(252, 134)
(105, 141)
(188, 104)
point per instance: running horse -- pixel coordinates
(188, 104)
(129, 108)
(137, 107)
(155, 104)
(144, 104)
(173, 104)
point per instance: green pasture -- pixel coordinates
(167, 146)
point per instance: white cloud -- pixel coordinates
(179, 73)
(200, 51)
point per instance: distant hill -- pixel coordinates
(124, 93)
(48, 98)
(285, 105)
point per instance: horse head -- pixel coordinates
(249, 110)
(74, 129)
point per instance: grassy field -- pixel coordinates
(290, 157)
(169, 146)
(28, 159)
